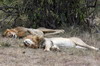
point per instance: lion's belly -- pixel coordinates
(36, 32)
(63, 42)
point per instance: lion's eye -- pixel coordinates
(11, 36)
(26, 43)
(15, 36)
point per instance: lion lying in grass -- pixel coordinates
(55, 43)
(22, 32)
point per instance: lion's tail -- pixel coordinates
(79, 42)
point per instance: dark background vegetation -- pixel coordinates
(48, 13)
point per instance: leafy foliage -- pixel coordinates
(51, 13)
(54, 13)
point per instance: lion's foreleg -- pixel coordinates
(48, 45)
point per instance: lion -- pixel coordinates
(55, 43)
(22, 32)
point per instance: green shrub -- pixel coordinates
(50, 13)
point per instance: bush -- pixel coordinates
(51, 13)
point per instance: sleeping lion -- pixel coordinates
(22, 32)
(55, 43)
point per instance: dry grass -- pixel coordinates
(13, 55)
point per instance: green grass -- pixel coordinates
(5, 44)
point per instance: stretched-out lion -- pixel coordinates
(22, 32)
(55, 43)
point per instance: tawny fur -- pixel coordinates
(22, 32)
(55, 43)
(32, 41)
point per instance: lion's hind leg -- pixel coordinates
(79, 42)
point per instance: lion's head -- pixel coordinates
(10, 33)
(32, 41)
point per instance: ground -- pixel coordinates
(11, 54)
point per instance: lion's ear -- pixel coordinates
(5, 32)
(38, 38)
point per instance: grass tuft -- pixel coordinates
(5, 44)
